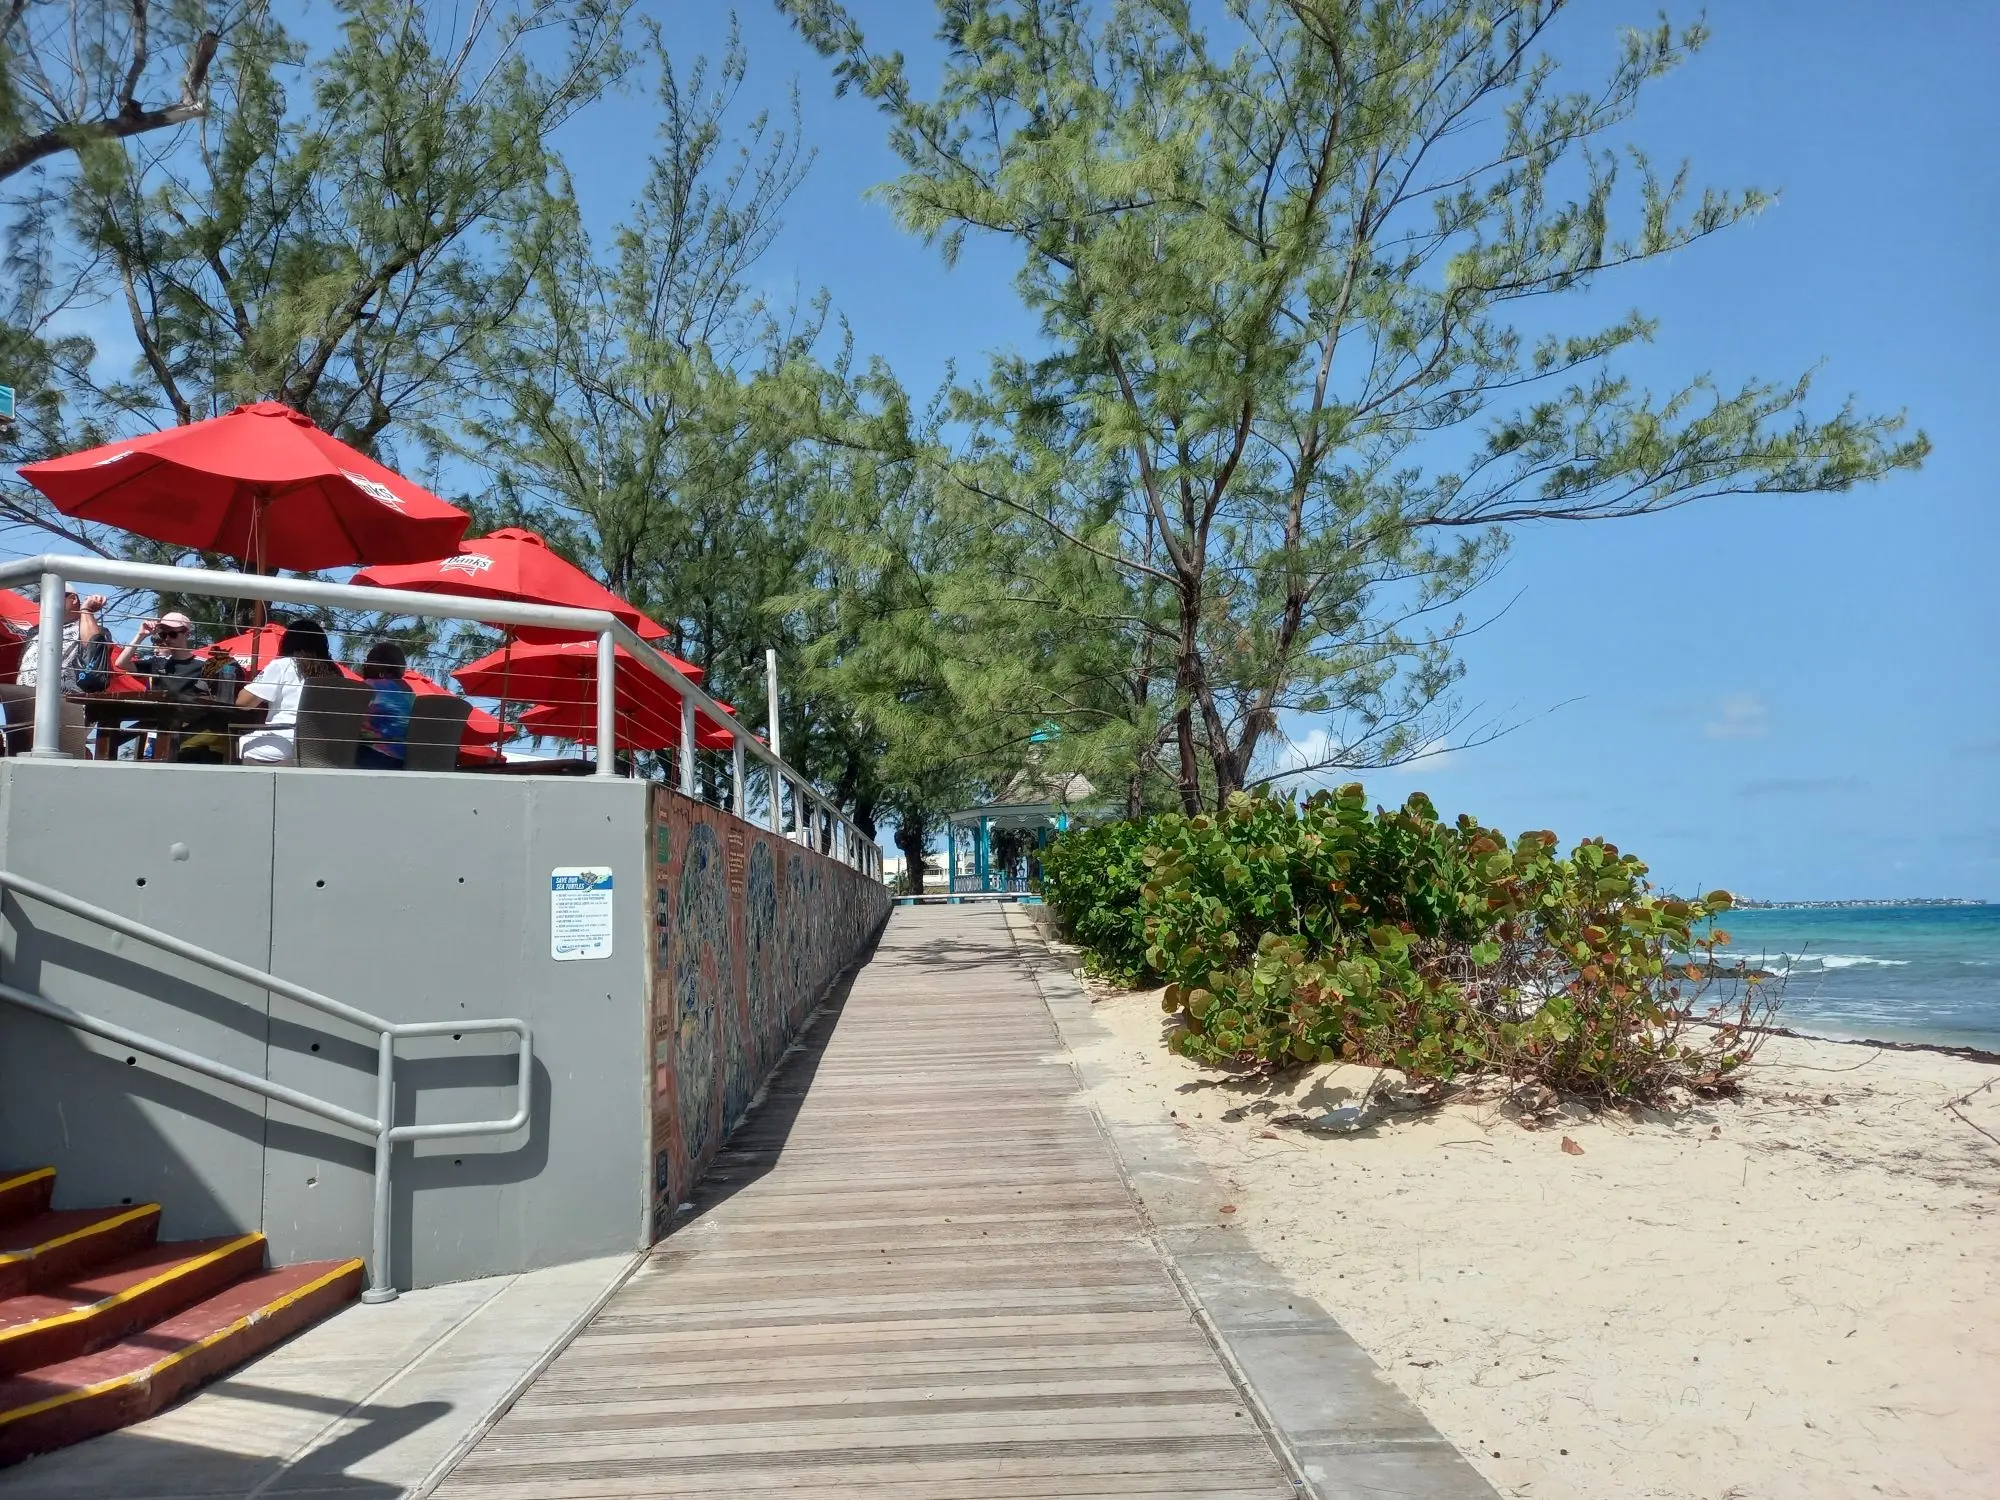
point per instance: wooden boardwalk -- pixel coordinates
(915, 1273)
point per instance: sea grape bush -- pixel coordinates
(1091, 879)
(1299, 932)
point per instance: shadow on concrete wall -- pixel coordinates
(119, 1155)
(37, 946)
(133, 1160)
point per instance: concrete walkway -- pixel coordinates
(370, 1405)
(921, 1270)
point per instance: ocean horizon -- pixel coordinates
(1917, 973)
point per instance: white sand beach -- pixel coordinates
(1795, 1293)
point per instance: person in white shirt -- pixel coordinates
(303, 654)
(80, 627)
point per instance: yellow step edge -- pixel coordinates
(22, 1179)
(154, 1371)
(137, 1289)
(99, 1226)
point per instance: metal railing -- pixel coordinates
(381, 1125)
(820, 825)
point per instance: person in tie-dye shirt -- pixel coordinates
(385, 733)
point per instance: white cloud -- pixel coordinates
(1435, 756)
(1300, 762)
(1742, 716)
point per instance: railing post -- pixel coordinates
(381, 1288)
(771, 698)
(777, 785)
(739, 781)
(687, 745)
(607, 705)
(48, 671)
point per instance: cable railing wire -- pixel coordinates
(434, 633)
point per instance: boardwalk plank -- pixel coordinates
(916, 1272)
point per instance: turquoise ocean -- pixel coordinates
(1899, 973)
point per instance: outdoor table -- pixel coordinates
(110, 713)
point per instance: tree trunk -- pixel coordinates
(911, 836)
(1190, 766)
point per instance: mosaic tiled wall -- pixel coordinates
(748, 932)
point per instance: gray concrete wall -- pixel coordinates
(414, 897)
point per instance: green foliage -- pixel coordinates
(1283, 258)
(80, 76)
(1311, 932)
(331, 228)
(1091, 879)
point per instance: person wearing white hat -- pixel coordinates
(170, 663)
(163, 653)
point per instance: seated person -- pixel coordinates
(80, 629)
(385, 733)
(207, 739)
(303, 654)
(169, 664)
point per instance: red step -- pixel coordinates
(99, 1307)
(140, 1374)
(25, 1192)
(47, 1246)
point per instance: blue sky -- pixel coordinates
(1824, 717)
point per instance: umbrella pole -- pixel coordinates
(260, 611)
(506, 669)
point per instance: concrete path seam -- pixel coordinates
(374, 1393)
(1441, 1472)
(488, 1420)
(1273, 1434)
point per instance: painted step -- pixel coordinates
(45, 1247)
(59, 1404)
(97, 1307)
(25, 1193)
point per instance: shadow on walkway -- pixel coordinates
(137, 1464)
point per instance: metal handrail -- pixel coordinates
(54, 572)
(381, 1125)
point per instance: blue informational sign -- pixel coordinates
(579, 912)
(6, 403)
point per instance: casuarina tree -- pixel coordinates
(1293, 382)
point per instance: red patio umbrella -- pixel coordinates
(566, 672)
(256, 649)
(648, 731)
(261, 485)
(252, 648)
(480, 729)
(18, 612)
(517, 564)
(564, 675)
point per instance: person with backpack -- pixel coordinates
(86, 649)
